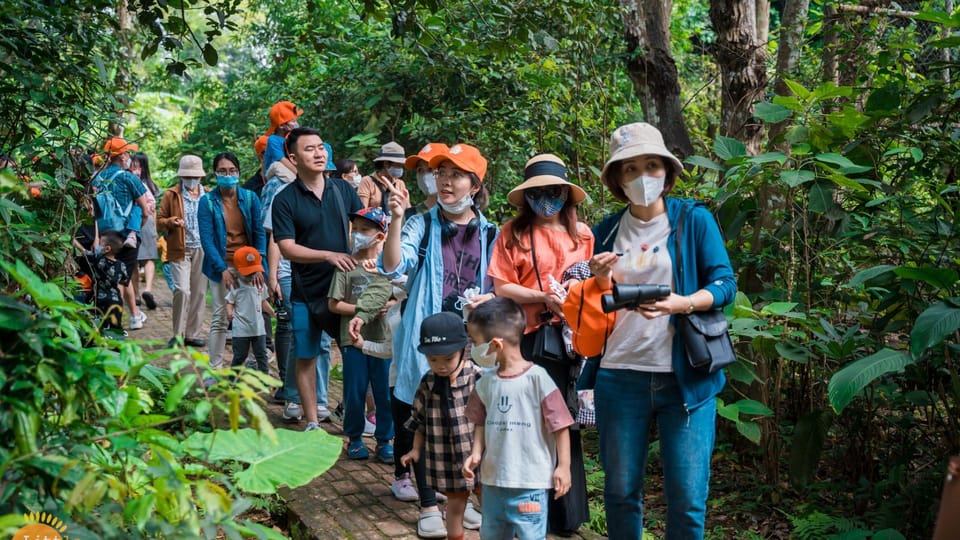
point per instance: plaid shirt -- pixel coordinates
(448, 433)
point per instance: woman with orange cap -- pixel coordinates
(445, 254)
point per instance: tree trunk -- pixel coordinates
(741, 56)
(123, 81)
(792, 25)
(653, 71)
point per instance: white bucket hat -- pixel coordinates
(191, 167)
(637, 139)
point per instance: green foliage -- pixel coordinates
(95, 433)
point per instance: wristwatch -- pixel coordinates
(690, 307)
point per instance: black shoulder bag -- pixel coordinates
(704, 334)
(319, 308)
(548, 343)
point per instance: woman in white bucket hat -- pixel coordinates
(644, 376)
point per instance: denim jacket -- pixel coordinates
(213, 229)
(425, 295)
(706, 265)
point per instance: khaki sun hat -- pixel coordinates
(637, 139)
(545, 170)
(191, 167)
(391, 152)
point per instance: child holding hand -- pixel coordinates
(439, 421)
(521, 440)
(245, 306)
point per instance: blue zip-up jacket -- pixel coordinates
(213, 230)
(425, 295)
(706, 265)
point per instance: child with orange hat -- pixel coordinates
(245, 306)
(283, 119)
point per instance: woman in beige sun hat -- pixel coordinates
(533, 250)
(644, 377)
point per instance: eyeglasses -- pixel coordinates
(227, 172)
(546, 191)
(450, 174)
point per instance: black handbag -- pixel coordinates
(548, 341)
(705, 334)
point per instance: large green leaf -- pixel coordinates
(943, 278)
(847, 383)
(771, 112)
(807, 444)
(296, 458)
(821, 198)
(933, 326)
(795, 178)
(727, 148)
(864, 276)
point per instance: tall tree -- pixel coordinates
(652, 69)
(740, 51)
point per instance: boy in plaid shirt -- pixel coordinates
(439, 417)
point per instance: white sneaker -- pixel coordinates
(312, 426)
(136, 323)
(369, 429)
(323, 413)
(292, 412)
(472, 518)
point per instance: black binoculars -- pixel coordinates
(628, 296)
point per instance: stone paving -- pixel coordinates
(350, 501)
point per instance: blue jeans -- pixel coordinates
(168, 276)
(284, 345)
(628, 402)
(359, 371)
(514, 511)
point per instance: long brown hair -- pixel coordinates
(520, 225)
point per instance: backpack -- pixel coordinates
(112, 216)
(590, 325)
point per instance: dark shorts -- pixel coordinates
(128, 256)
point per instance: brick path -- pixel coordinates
(351, 500)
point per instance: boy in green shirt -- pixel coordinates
(365, 295)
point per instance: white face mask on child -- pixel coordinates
(483, 356)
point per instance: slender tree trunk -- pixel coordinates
(741, 56)
(792, 26)
(123, 81)
(653, 71)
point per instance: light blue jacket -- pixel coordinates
(706, 265)
(424, 295)
(213, 230)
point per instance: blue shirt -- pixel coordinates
(126, 188)
(213, 229)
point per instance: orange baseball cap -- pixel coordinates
(247, 261)
(281, 113)
(425, 153)
(116, 146)
(464, 156)
(260, 145)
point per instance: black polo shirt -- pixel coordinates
(316, 224)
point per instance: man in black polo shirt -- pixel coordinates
(311, 229)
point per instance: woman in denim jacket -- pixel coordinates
(644, 376)
(228, 218)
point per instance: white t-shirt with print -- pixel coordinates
(247, 302)
(638, 343)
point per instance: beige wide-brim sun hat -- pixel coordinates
(545, 170)
(637, 139)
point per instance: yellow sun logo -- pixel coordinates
(41, 526)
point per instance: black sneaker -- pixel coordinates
(148, 299)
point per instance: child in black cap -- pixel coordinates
(439, 420)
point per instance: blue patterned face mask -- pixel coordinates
(546, 206)
(361, 241)
(227, 181)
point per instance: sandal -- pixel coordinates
(358, 450)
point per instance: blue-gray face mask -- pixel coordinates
(228, 181)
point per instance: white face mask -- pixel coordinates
(354, 179)
(395, 172)
(126, 163)
(644, 190)
(428, 182)
(483, 356)
(191, 184)
(458, 207)
(361, 241)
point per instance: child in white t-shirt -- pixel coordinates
(245, 306)
(521, 436)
